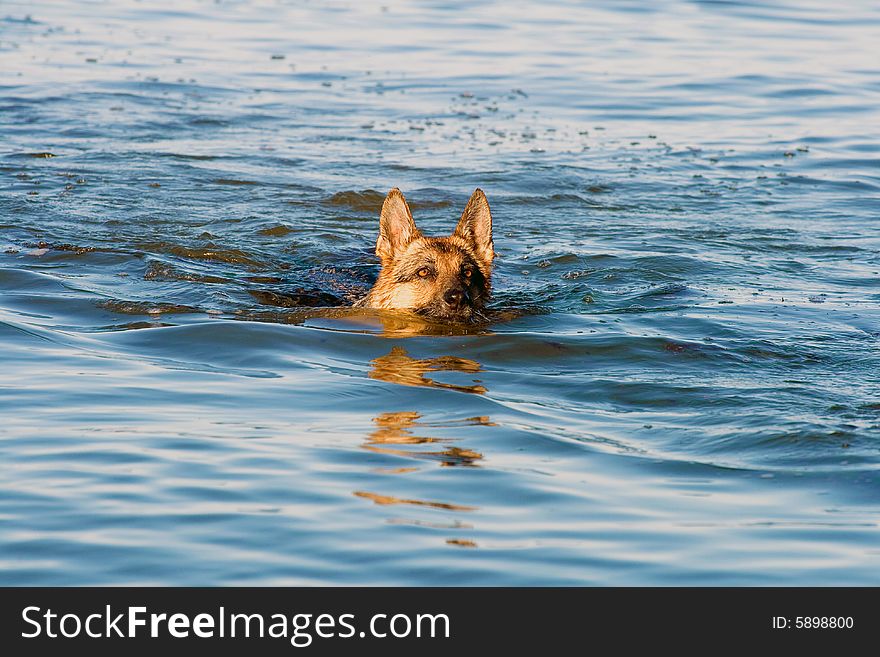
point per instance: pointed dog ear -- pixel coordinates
(475, 226)
(396, 226)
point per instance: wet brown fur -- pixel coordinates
(443, 292)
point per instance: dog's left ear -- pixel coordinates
(396, 226)
(475, 226)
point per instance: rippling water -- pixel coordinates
(686, 215)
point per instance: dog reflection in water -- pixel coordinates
(400, 368)
(396, 429)
(395, 432)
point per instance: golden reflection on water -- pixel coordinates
(390, 499)
(395, 429)
(386, 323)
(399, 433)
(400, 368)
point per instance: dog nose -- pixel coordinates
(454, 297)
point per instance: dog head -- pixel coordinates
(441, 278)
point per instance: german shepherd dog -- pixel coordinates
(445, 279)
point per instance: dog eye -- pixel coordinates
(423, 272)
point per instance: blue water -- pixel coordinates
(685, 200)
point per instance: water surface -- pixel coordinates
(685, 201)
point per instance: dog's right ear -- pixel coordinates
(396, 226)
(475, 226)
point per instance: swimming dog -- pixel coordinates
(447, 279)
